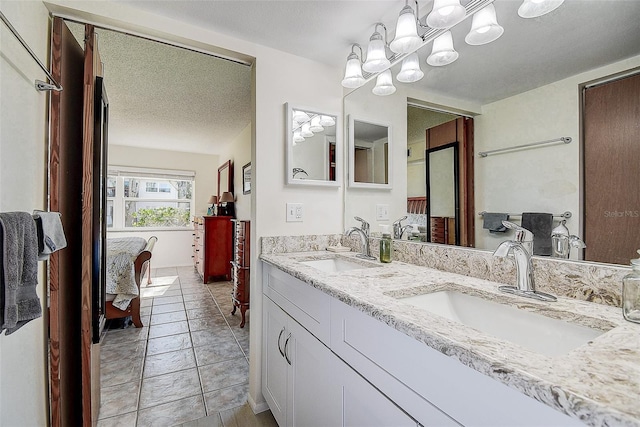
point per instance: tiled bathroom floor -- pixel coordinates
(187, 366)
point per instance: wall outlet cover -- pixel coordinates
(382, 212)
(295, 212)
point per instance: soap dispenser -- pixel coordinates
(631, 293)
(385, 244)
(415, 233)
(560, 240)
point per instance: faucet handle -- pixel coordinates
(365, 225)
(522, 234)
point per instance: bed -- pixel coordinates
(128, 259)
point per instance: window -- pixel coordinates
(149, 198)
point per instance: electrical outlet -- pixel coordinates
(382, 212)
(295, 212)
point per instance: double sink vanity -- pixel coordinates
(353, 342)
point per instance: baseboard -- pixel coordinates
(257, 407)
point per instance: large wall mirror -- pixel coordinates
(225, 178)
(314, 148)
(525, 87)
(369, 148)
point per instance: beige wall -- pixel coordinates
(23, 355)
(542, 179)
(239, 152)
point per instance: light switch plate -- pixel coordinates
(295, 212)
(382, 212)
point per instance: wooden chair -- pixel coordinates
(142, 264)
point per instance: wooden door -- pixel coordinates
(71, 193)
(612, 170)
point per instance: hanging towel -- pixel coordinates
(50, 233)
(19, 275)
(540, 224)
(493, 222)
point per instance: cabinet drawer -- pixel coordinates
(419, 378)
(309, 306)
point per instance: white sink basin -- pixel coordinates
(533, 331)
(335, 265)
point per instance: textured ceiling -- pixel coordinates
(170, 98)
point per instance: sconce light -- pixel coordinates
(384, 84)
(353, 71)
(484, 28)
(535, 8)
(446, 14)
(376, 52)
(410, 71)
(407, 38)
(443, 52)
(213, 201)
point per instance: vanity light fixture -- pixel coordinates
(535, 8)
(327, 121)
(306, 130)
(384, 84)
(315, 125)
(377, 51)
(353, 71)
(485, 27)
(446, 14)
(410, 71)
(300, 116)
(443, 52)
(407, 39)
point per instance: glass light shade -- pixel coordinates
(353, 73)
(535, 8)
(446, 13)
(410, 71)
(315, 125)
(300, 116)
(443, 52)
(384, 84)
(407, 38)
(297, 137)
(306, 131)
(327, 121)
(484, 28)
(376, 55)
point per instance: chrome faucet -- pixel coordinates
(398, 229)
(364, 238)
(522, 248)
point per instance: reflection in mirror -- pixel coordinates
(442, 194)
(369, 145)
(313, 147)
(517, 99)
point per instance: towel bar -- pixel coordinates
(566, 214)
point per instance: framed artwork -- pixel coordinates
(246, 179)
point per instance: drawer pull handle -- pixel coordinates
(286, 345)
(279, 347)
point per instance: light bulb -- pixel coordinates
(410, 71)
(384, 84)
(443, 52)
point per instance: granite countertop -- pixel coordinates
(598, 382)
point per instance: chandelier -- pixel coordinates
(445, 15)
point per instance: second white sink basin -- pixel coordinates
(552, 337)
(335, 265)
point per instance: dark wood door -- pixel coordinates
(612, 170)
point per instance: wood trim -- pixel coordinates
(469, 183)
(87, 216)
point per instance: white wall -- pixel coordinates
(23, 355)
(239, 152)
(542, 179)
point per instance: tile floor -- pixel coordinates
(187, 366)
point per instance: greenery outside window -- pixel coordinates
(139, 198)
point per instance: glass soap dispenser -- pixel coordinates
(385, 244)
(631, 293)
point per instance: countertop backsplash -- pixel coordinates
(599, 283)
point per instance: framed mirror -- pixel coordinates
(369, 148)
(225, 178)
(443, 189)
(314, 147)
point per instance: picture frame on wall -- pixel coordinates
(246, 178)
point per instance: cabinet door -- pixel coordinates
(314, 389)
(363, 405)
(274, 366)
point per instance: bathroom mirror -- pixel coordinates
(225, 178)
(513, 101)
(314, 148)
(369, 148)
(442, 190)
